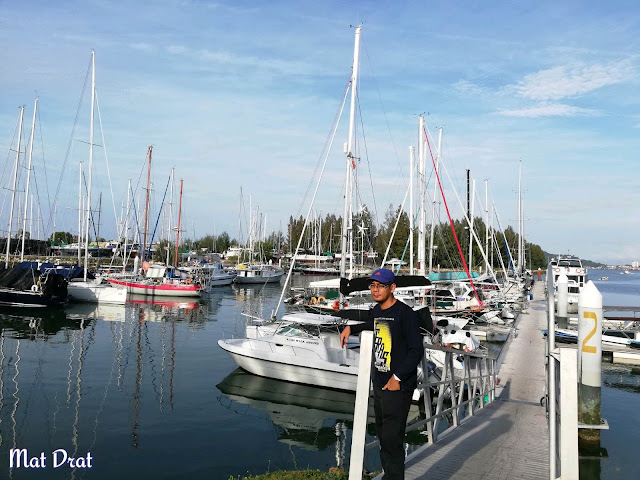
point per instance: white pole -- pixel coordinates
(435, 197)
(350, 161)
(421, 196)
(13, 191)
(411, 226)
(26, 192)
(361, 409)
(93, 101)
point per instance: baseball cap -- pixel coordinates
(383, 275)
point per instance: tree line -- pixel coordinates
(323, 235)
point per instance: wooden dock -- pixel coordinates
(509, 438)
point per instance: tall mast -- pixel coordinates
(26, 193)
(350, 163)
(173, 170)
(421, 196)
(13, 191)
(93, 101)
(486, 225)
(175, 264)
(471, 210)
(435, 197)
(411, 182)
(126, 227)
(146, 208)
(79, 214)
(520, 265)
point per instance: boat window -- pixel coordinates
(291, 331)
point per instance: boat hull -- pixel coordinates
(259, 278)
(96, 293)
(27, 299)
(159, 289)
(259, 358)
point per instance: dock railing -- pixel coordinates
(461, 393)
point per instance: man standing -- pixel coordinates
(397, 351)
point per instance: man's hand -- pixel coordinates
(392, 384)
(344, 336)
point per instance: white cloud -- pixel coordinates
(553, 110)
(570, 81)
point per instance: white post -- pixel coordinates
(126, 228)
(563, 299)
(435, 196)
(13, 191)
(411, 181)
(26, 192)
(569, 413)
(589, 363)
(361, 407)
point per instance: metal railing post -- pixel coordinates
(551, 378)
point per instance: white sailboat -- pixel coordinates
(87, 290)
(305, 347)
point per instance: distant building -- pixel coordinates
(635, 264)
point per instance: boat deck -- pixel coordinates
(509, 438)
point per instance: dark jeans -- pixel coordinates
(391, 409)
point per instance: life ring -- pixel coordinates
(34, 288)
(321, 299)
(313, 301)
(188, 281)
(336, 305)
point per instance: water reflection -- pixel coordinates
(304, 416)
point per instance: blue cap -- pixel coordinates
(383, 275)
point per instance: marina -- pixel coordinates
(244, 241)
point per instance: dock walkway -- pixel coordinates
(509, 438)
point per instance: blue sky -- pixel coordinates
(243, 94)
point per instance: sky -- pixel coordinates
(240, 98)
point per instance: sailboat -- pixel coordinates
(156, 282)
(260, 272)
(304, 347)
(88, 290)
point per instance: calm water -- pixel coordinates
(146, 389)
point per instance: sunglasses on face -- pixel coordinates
(379, 286)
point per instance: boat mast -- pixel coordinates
(175, 263)
(79, 213)
(13, 191)
(520, 264)
(471, 210)
(350, 163)
(93, 101)
(433, 205)
(126, 228)
(421, 192)
(170, 212)
(26, 193)
(411, 181)
(486, 225)
(146, 208)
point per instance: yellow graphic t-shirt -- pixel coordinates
(382, 344)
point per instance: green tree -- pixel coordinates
(62, 237)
